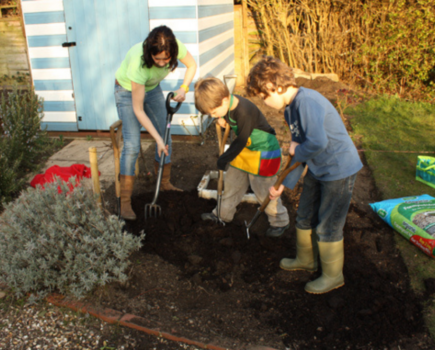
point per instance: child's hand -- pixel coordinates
(292, 149)
(221, 164)
(222, 122)
(274, 194)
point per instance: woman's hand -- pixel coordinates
(292, 148)
(180, 95)
(274, 194)
(162, 148)
(138, 96)
(191, 66)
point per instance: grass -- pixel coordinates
(393, 133)
(395, 125)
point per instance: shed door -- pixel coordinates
(103, 30)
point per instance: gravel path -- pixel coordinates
(44, 326)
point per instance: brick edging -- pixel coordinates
(132, 321)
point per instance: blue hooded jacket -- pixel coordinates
(324, 142)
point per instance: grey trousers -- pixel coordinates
(235, 186)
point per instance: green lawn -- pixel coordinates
(393, 133)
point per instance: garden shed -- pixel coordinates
(75, 47)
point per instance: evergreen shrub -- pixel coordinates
(22, 142)
(63, 242)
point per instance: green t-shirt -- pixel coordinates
(131, 69)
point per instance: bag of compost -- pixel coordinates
(413, 218)
(426, 170)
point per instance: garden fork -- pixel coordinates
(152, 208)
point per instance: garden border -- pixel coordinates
(135, 322)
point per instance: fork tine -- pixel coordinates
(152, 210)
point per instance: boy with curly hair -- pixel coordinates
(320, 140)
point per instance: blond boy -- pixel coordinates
(254, 157)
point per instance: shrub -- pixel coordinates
(399, 54)
(50, 241)
(9, 183)
(22, 142)
(386, 46)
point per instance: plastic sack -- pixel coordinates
(426, 170)
(413, 218)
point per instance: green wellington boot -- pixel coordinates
(332, 259)
(306, 253)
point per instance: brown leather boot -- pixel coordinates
(127, 183)
(165, 185)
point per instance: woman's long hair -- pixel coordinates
(160, 39)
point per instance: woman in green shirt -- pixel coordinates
(140, 103)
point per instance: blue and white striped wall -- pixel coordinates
(180, 16)
(204, 26)
(216, 37)
(49, 62)
(207, 29)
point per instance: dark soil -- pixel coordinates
(210, 283)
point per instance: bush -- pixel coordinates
(399, 54)
(50, 241)
(386, 46)
(22, 142)
(9, 183)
